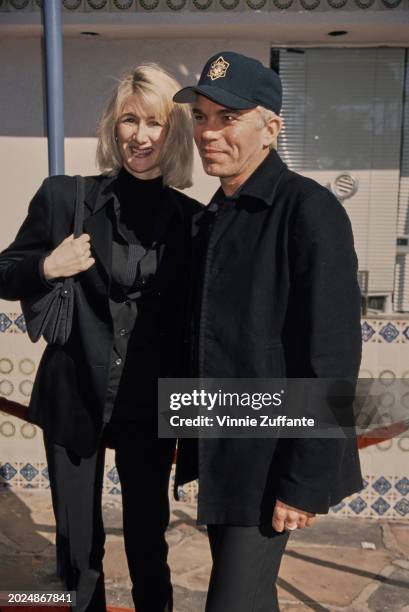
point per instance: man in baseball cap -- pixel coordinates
(276, 295)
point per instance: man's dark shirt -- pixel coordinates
(216, 219)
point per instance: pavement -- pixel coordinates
(354, 565)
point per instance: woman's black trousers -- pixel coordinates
(144, 463)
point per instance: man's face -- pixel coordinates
(231, 143)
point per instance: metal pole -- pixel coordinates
(55, 85)
(55, 129)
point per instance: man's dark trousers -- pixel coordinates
(144, 465)
(246, 561)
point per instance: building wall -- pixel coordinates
(342, 113)
(91, 67)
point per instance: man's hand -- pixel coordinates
(72, 256)
(288, 517)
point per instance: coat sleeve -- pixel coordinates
(21, 264)
(328, 307)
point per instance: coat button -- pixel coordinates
(123, 332)
(118, 361)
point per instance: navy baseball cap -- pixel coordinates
(237, 82)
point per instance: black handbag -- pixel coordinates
(50, 315)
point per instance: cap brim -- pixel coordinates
(216, 94)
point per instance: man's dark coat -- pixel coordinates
(279, 298)
(69, 391)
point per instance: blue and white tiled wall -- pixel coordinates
(12, 323)
(383, 496)
(384, 331)
(385, 466)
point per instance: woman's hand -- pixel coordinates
(72, 256)
(290, 518)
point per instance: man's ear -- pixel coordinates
(272, 129)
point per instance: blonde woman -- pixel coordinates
(131, 266)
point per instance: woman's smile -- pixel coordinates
(136, 152)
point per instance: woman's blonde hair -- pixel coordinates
(155, 89)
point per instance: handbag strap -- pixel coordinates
(78, 221)
(79, 206)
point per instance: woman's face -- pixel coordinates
(140, 138)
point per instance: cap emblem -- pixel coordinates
(218, 69)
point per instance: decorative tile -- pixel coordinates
(389, 332)
(113, 475)
(20, 323)
(365, 483)
(181, 494)
(29, 472)
(7, 471)
(358, 505)
(367, 331)
(383, 496)
(12, 323)
(5, 322)
(380, 506)
(94, 6)
(373, 330)
(382, 485)
(338, 507)
(402, 507)
(378, 331)
(403, 486)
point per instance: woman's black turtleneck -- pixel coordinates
(140, 202)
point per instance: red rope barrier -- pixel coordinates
(376, 436)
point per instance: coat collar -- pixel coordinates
(262, 184)
(97, 223)
(100, 193)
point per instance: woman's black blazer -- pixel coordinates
(68, 395)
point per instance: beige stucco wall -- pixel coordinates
(91, 67)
